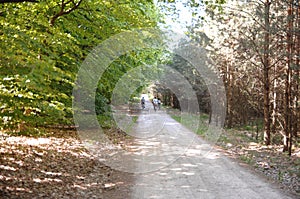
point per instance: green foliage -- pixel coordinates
(176, 117)
(106, 121)
(101, 104)
(141, 67)
(189, 121)
(39, 61)
(135, 99)
(246, 158)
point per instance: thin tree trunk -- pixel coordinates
(274, 111)
(297, 120)
(267, 134)
(287, 140)
(229, 97)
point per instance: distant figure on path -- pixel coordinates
(143, 102)
(155, 103)
(158, 103)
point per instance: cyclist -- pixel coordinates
(143, 102)
(155, 103)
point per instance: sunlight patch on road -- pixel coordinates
(189, 165)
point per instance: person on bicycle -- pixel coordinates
(155, 103)
(143, 102)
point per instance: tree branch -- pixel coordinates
(63, 11)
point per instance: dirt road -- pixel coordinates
(171, 162)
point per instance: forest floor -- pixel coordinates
(267, 160)
(55, 165)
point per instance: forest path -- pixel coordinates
(177, 164)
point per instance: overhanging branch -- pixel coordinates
(63, 10)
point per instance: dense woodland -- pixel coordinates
(257, 49)
(254, 44)
(43, 44)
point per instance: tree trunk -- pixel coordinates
(287, 140)
(297, 47)
(229, 85)
(266, 63)
(274, 111)
(175, 102)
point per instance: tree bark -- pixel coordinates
(287, 140)
(266, 67)
(297, 46)
(274, 111)
(229, 85)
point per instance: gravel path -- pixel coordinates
(164, 160)
(169, 161)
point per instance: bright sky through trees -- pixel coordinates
(178, 15)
